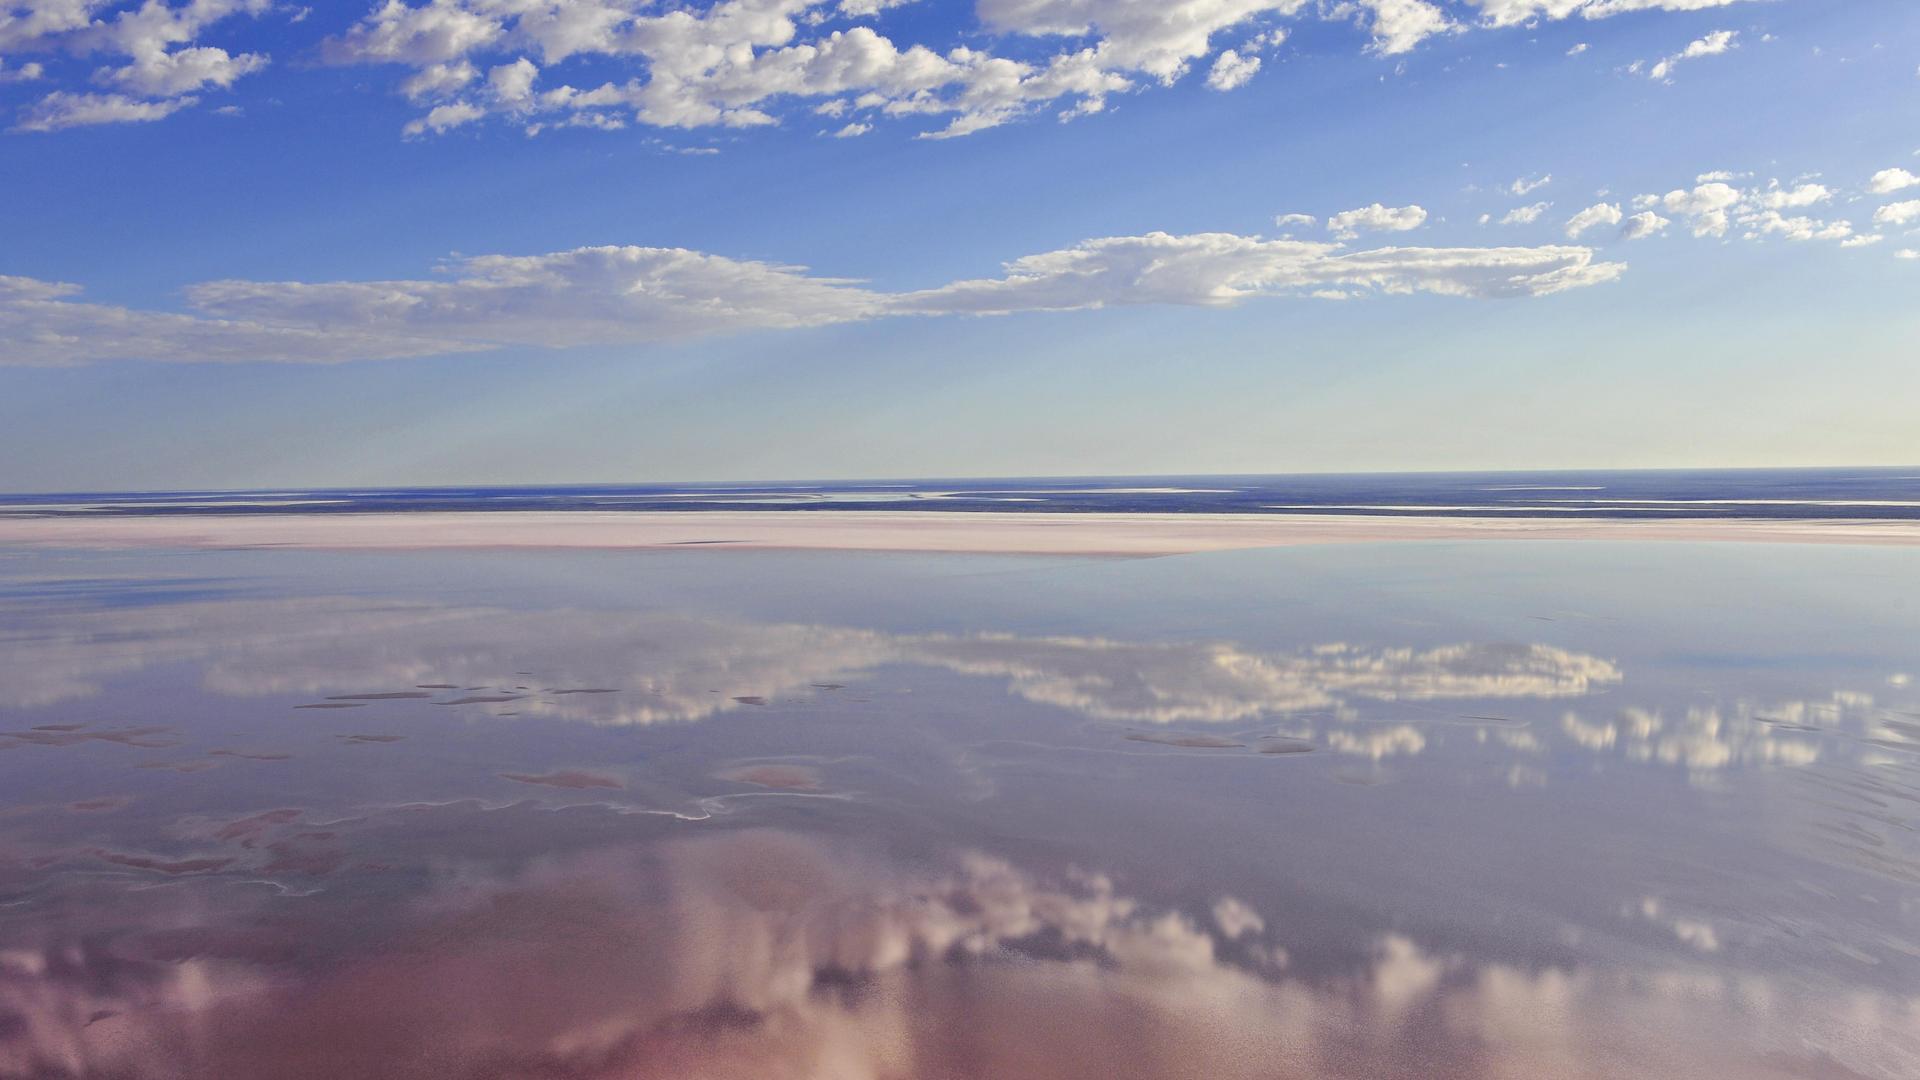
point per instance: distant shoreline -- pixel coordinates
(1142, 534)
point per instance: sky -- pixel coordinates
(249, 243)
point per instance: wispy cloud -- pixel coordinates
(641, 295)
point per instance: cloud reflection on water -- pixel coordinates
(763, 953)
(669, 667)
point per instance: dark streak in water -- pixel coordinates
(1191, 742)
(73, 735)
(1277, 745)
(565, 778)
(164, 866)
(390, 695)
(181, 766)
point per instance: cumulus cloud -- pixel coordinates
(745, 63)
(171, 74)
(1595, 215)
(1780, 197)
(1525, 215)
(1714, 44)
(1888, 181)
(1644, 224)
(1231, 70)
(641, 295)
(443, 118)
(1898, 215)
(1797, 227)
(1707, 205)
(165, 67)
(1714, 206)
(1399, 25)
(1376, 218)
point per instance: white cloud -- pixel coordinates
(1907, 254)
(1597, 214)
(1888, 181)
(1528, 185)
(1706, 205)
(1714, 206)
(1644, 224)
(1516, 12)
(1577, 49)
(24, 73)
(444, 118)
(61, 109)
(1770, 221)
(1898, 214)
(637, 295)
(1287, 221)
(1714, 44)
(1398, 25)
(1160, 39)
(1376, 218)
(863, 9)
(1776, 197)
(853, 130)
(1231, 70)
(165, 67)
(439, 80)
(745, 63)
(1525, 215)
(440, 32)
(1220, 269)
(1861, 240)
(183, 71)
(512, 84)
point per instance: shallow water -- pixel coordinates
(1494, 809)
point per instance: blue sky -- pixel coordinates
(247, 244)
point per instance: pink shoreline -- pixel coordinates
(1034, 534)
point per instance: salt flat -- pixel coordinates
(1014, 533)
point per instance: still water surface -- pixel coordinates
(1495, 809)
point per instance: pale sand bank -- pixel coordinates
(1039, 534)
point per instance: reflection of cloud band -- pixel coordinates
(669, 666)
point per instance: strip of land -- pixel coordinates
(1036, 534)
